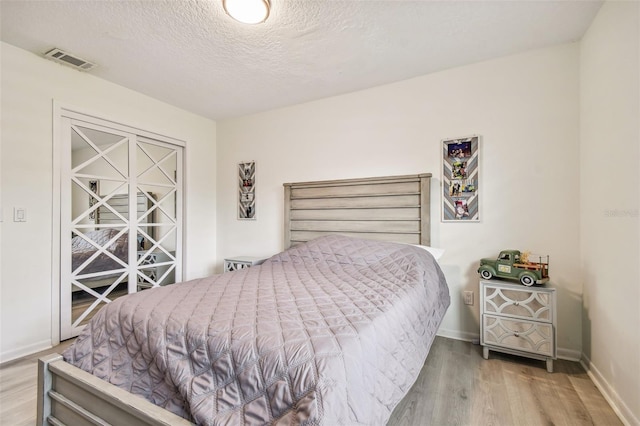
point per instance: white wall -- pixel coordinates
(525, 107)
(29, 85)
(609, 186)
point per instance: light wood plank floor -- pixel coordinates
(456, 387)
(18, 388)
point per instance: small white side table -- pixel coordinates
(518, 320)
(242, 262)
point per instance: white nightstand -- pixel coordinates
(241, 262)
(518, 320)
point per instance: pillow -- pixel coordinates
(435, 252)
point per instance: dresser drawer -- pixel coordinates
(521, 335)
(525, 303)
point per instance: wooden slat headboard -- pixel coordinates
(393, 208)
(120, 203)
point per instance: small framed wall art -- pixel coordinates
(247, 190)
(460, 183)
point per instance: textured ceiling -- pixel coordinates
(190, 54)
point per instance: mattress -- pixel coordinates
(330, 332)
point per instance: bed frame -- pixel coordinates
(394, 208)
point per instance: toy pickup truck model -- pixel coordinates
(512, 264)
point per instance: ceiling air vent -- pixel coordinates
(68, 59)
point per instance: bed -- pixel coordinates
(333, 330)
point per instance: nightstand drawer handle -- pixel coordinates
(516, 303)
(516, 334)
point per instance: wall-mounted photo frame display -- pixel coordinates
(460, 179)
(247, 190)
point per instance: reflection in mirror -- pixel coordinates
(102, 152)
(157, 226)
(123, 229)
(156, 267)
(89, 295)
(100, 250)
(99, 212)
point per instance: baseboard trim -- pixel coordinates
(459, 335)
(14, 354)
(569, 354)
(619, 407)
(566, 354)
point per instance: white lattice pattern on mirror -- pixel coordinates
(99, 252)
(121, 216)
(158, 226)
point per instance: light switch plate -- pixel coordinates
(19, 214)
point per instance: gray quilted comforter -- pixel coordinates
(331, 332)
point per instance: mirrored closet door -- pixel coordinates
(121, 217)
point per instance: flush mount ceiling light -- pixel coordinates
(247, 11)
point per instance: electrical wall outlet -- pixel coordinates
(468, 297)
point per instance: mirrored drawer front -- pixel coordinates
(526, 304)
(521, 335)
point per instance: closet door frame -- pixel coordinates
(62, 111)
